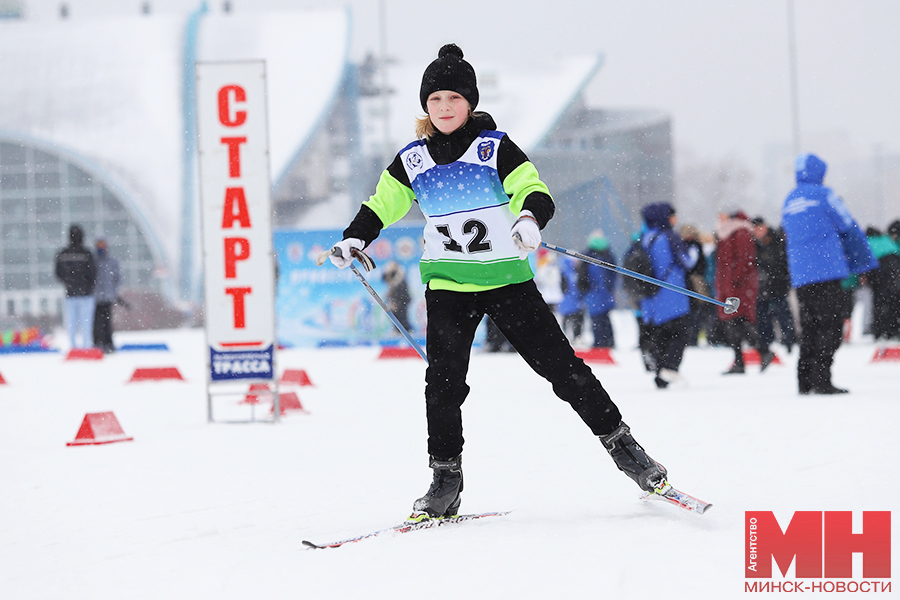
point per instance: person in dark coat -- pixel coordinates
(736, 276)
(76, 269)
(598, 285)
(571, 309)
(702, 313)
(106, 294)
(666, 313)
(774, 285)
(825, 245)
(397, 297)
(893, 230)
(885, 284)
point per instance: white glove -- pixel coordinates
(340, 253)
(526, 234)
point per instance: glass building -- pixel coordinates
(42, 193)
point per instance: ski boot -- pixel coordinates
(442, 498)
(632, 460)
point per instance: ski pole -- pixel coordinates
(730, 305)
(369, 264)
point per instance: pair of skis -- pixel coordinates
(411, 524)
(666, 494)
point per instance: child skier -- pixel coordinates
(484, 207)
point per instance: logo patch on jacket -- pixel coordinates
(414, 161)
(486, 150)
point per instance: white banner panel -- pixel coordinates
(236, 219)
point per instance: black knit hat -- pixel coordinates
(449, 72)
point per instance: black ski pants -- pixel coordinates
(665, 344)
(524, 318)
(103, 328)
(822, 327)
(737, 330)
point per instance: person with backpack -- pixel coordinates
(665, 312)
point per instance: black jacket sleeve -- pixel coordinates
(509, 158)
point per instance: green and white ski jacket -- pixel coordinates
(470, 186)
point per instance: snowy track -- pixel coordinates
(219, 511)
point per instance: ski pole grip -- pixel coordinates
(363, 258)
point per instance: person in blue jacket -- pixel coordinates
(598, 285)
(824, 246)
(571, 309)
(665, 313)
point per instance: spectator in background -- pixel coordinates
(106, 294)
(736, 276)
(885, 284)
(598, 285)
(635, 304)
(696, 282)
(893, 231)
(397, 296)
(571, 309)
(548, 278)
(774, 285)
(824, 246)
(76, 269)
(665, 313)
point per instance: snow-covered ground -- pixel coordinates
(196, 510)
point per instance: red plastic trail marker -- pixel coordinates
(887, 354)
(99, 428)
(288, 401)
(597, 355)
(296, 376)
(398, 352)
(258, 392)
(85, 354)
(155, 374)
(751, 357)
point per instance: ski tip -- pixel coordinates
(677, 498)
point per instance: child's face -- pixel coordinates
(447, 110)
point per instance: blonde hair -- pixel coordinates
(425, 129)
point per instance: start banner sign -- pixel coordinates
(239, 267)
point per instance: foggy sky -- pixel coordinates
(719, 68)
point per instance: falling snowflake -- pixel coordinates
(460, 186)
(440, 184)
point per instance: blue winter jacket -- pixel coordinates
(670, 263)
(824, 242)
(571, 303)
(599, 298)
